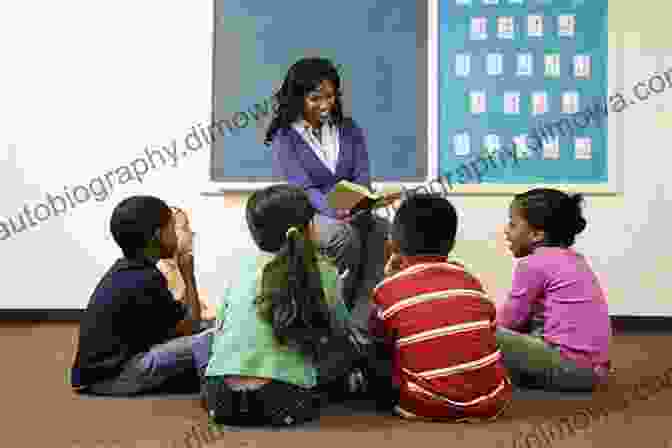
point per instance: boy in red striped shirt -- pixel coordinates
(438, 321)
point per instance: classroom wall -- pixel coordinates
(86, 93)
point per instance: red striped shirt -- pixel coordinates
(442, 324)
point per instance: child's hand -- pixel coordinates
(185, 262)
(392, 257)
(208, 310)
(185, 236)
(393, 265)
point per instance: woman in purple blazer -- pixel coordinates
(315, 146)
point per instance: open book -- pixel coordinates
(358, 198)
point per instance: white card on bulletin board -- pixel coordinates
(582, 66)
(522, 150)
(552, 65)
(566, 25)
(492, 144)
(570, 102)
(551, 148)
(505, 28)
(583, 148)
(479, 28)
(478, 103)
(535, 26)
(539, 103)
(511, 103)
(462, 65)
(462, 144)
(524, 64)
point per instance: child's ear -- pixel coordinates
(538, 236)
(153, 248)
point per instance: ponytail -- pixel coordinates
(575, 211)
(292, 298)
(558, 214)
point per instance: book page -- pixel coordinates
(347, 195)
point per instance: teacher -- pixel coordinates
(315, 146)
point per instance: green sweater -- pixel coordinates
(244, 345)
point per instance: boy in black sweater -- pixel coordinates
(134, 336)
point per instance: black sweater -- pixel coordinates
(130, 310)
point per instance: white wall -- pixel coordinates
(88, 88)
(84, 88)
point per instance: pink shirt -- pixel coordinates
(558, 286)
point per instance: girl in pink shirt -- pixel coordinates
(554, 330)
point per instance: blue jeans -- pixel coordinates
(358, 249)
(183, 359)
(534, 363)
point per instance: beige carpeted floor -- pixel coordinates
(39, 409)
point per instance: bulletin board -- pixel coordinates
(508, 67)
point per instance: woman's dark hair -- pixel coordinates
(425, 224)
(558, 214)
(291, 297)
(302, 78)
(135, 220)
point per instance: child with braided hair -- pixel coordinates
(264, 365)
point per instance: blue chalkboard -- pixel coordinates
(496, 59)
(375, 41)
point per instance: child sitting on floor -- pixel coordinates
(279, 312)
(134, 336)
(439, 322)
(554, 328)
(169, 267)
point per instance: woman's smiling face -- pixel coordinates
(319, 103)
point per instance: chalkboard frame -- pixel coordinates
(425, 157)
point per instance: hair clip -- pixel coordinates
(292, 231)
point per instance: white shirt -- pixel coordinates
(327, 151)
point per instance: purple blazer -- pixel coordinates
(296, 161)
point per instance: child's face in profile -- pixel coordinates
(168, 240)
(520, 235)
(185, 236)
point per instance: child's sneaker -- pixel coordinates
(356, 382)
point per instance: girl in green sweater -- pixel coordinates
(277, 318)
